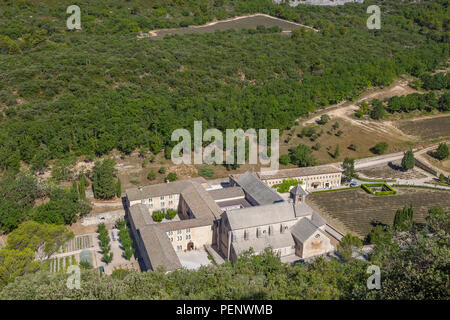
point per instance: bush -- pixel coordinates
(158, 216)
(302, 156)
(151, 175)
(170, 214)
(286, 185)
(206, 172)
(324, 119)
(285, 159)
(347, 244)
(441, 152)
(317, 146)
(172, 176)
(85, 265)
(380, 148)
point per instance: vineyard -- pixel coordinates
(359, 211)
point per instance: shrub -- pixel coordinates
(85, 265)
(380, 148)
(408, 160)
(285, 159)
(158, 216)
(403, 219)
(170, 214)
(172, 176)
(206, 172)
(151, 175)
(324, 119)
(302, 156)
(286, 185)
(162, 170)
(335, 125)
(347, 244)
(441, 152)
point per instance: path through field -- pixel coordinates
(345, 110)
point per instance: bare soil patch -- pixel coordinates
(393, 171)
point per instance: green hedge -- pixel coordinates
(333, 190)
(366, 187)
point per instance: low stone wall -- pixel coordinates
(108, 218)
(425, 167)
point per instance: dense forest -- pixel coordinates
(413, 261)
(87, 92)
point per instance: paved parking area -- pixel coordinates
(193, 259)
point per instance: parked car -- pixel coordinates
(353, 184)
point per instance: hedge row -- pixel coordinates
(366, 187)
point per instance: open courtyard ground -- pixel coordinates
(357, 211)
(193, 259)
(243, 22)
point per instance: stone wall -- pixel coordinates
(108, 218)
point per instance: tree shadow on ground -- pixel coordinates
(395, 167)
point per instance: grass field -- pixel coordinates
(356, 211)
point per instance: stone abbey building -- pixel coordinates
(231, 217)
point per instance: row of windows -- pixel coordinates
(188, 230)
(161, 204)
(180, 238)
(261, 232)
(307, 179)
(162, 198)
